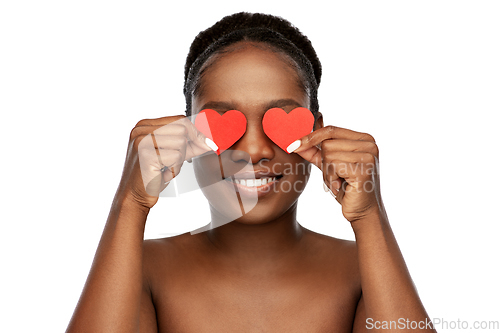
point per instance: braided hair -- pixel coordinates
(280, 35)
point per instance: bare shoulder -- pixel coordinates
(323, 242)
(171, 243)
(171, 256)
(334, 253)
(170, 248)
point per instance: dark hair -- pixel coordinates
(279, 34)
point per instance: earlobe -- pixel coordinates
(318, 123)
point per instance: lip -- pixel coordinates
(255, 175)
(253, 191)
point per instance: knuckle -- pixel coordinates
(368, 158)
(200, 136)
(179, 120)
(135, 132)
(368, 137)
(327, 145)
(179, 141)
(183, 131)
(330, 167)
(308, 138)
(330, 129)
(176, 155)
(159, 121)
(373, 148)
(138, 143)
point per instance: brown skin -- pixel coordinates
(263, 272)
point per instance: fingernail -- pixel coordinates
(293, 146)
(211, 144)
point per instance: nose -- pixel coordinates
(254, 145)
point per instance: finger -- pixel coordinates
(312, 155)
(330, 176)
(171, 162)
(331, 132)
(153, 160)
(334, 184)
(159, 121)
(350, 145)
(315, 155)
(195, 137)
(171, 152)
(351, 157)
(174, 125)
(168, 150)
(170, 129)
(163, 129)
(171, 157)
(170, 142)
(169, 173)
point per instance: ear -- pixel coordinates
(319, 121)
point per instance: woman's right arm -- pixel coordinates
(114, 298)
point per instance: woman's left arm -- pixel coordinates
(349, 161)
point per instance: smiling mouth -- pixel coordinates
(254, 182)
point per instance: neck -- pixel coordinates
(257, 245)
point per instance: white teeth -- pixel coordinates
(255, 182)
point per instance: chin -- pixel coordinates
(270, 208)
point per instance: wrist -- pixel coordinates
(125, 201)
(374, 219)
(127, 214)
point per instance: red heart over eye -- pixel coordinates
(284, 128)
(224, 129)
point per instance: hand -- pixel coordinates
(156, 151)
(349, 161)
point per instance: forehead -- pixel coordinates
(248, 76)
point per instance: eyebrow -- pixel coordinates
(226, 106)
(217, 106)
(281, 103)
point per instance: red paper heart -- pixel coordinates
(223, 129)
(284, 128)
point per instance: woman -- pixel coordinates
(263, 271)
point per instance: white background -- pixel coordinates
(423, 77)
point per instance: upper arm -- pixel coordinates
(360, 317)
(147, 320)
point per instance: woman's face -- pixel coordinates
(252, 80)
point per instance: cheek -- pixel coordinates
(207, 170)
(302, 174)
(296, 176)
